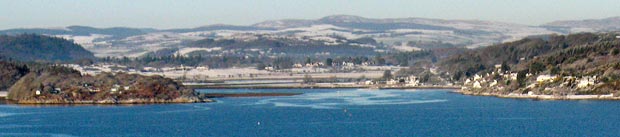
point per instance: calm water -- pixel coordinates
(323, 112)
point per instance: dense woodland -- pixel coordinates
(284, 46)
(577, 55)
(33, 47)
(10, 73)
(280, 62)
(523, 52)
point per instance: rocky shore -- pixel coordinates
(65, 86)
(112, 101)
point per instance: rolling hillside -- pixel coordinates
(33, 47)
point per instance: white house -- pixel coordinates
(392, 82)
(412, 81)
(513, 76)
(477, 77)
(498, 67)
(348, 64)
(543, 78)
(369, 82)
(202, 68)
(477, 85)
(530, 93)
(297, 65)
(494, 83)
(149, 69)
(586, 81)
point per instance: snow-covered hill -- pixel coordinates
(392, 34)
(590, 25)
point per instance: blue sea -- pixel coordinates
(322, 112)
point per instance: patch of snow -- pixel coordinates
(85, 41)
(184, 51)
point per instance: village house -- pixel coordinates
(498, 67)
(545, 78)
(115, 88)
(202, 68)
(149, 69)
(392, 82)
(369, 82)
(477, 85)
(365, 64)
(348, 64)
(587, 81)
(493, 84)
(412, 81)
(297, 65)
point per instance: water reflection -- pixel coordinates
(333, 100)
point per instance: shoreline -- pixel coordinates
(540, 97)
(316, 87)
(110, 102)
(180, 100)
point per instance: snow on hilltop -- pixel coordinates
(590, 25)
(331, 30)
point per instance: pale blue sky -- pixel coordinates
(165, 14)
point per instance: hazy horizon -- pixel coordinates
(160, 14)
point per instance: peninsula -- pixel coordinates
(59, 85)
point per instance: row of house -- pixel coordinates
(400, 81)
(315, 64)
(479, 80)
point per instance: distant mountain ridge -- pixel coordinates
(391, 34)
(589, 25)
(611, 22)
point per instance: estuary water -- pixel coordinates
(322, 112)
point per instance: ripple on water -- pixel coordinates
(36, 134)
(192, 108)
(334, 100)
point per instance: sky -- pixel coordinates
(166, 14)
